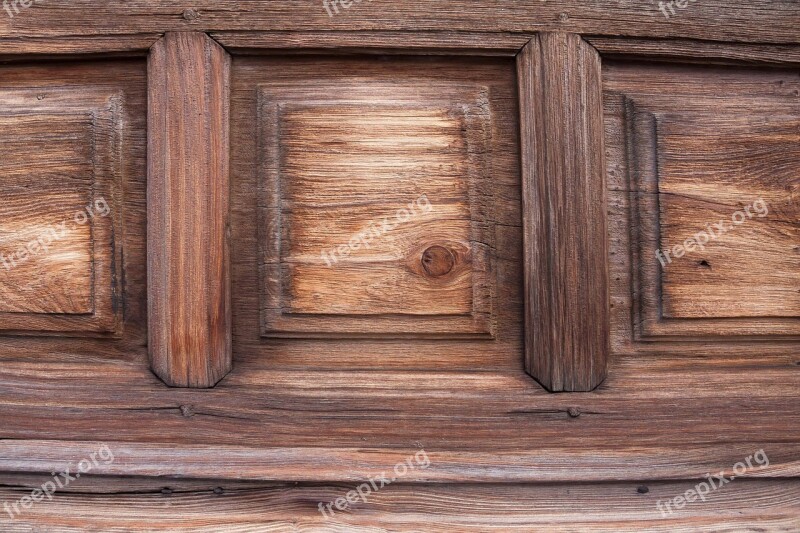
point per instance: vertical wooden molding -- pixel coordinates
(567, 337)
(189, 308)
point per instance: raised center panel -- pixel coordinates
(386, 199)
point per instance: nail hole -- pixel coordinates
(642, 489)
(704, 264)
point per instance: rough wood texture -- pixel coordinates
(60, 219)
(759, 21)
(359, 139)
(189, 312)
(564, 213)
(719, 168)
(361, 183)
(694, 51)
(137, 504)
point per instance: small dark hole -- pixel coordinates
(704, 264)
(643, 489)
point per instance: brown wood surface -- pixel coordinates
(695, 158)
(308, 418)
(362, 180)
(563, 201)
(758, 21)
(189, 312)
(140, 504)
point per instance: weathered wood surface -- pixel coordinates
(760, 21)
(718, 167)
(360, 183)
(564, 216)
(65, 172)
(136, 504)
(189, 313)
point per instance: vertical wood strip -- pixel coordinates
(567, 337)
(189, 310)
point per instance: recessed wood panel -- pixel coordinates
(46, 256)
(373, 202)
(323, 149)
(59, 177)
(732, 180)
(714, 213)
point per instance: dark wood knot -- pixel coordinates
(438, 261)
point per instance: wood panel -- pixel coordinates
(431, 278)
(132, 504)
(375, 217)
(189, 314)
(61, 183)
(716, 187)
(563, 194)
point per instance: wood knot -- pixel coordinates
(438, 261)
(191, 14)
(574, 412)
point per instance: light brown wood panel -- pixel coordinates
(424, 163)
(47, 257)
(375, 208)
(61, 174)
(717, 168)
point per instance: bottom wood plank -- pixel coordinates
(139, 504)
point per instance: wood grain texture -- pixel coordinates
(759, 21)
(565, 248)
(362, 181)
(60, 255)
(137, 504)
(696, 160)
(189, 312)
(696, 51)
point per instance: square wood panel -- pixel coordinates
(374, 198)
(714, 176)
(59, 178)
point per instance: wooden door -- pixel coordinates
(400, 266)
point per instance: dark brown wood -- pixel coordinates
(694, 51)
(189, 312)
(360, 42)
(563, 198)
(322, 411)
(758, 21)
